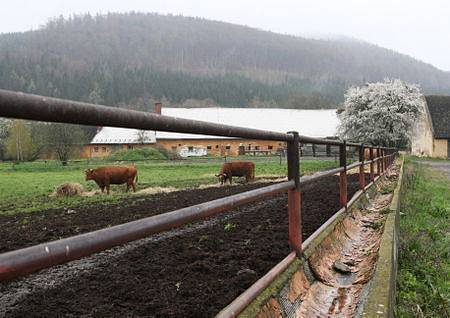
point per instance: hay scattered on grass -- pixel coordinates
(68, 189)
(154, 190)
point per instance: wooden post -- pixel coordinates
(343, 174)
(362, 177)
(294, 198)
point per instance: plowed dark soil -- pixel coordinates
(191, 275)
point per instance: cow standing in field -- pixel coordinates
(105, 176)
(236, 169)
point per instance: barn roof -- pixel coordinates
(314, 123)
(114, 135)
(439, 109)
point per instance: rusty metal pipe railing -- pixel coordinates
(58, 249)
(353, 165)
(49, 109)
(27, 260)
(244, 299)
(33, 107)
(319, 175)
(40, 108)
(239, 304)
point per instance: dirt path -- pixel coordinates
(192, 272)
(444, 166)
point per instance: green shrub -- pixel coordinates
(148, 153)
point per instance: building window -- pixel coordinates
(228, 147)
(179, 145)
(217, 146)
(104, 149)
(95, 149)
(256, 147)
(209, 147)
(130, 146)
(190, 148)
(270, 147)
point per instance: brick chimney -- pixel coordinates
(158, 108)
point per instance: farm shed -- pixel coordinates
(315, 123)
(432, 135)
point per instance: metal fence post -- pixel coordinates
(372, 174)
(362, 177)
(378, 161)
(343, 174)
(388, 157)
(294, 199)
(381, 160)
(391, 152)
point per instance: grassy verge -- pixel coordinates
(424, 256)
(25, 187)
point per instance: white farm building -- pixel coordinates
(314, 123)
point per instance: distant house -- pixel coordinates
(316, 123)
(432, 135)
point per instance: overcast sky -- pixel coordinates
(417, 28)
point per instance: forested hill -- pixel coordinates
(133, 58)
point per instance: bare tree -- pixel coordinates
(64, 139)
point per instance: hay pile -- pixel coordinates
(69, 190)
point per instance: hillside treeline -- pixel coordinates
(132, 59)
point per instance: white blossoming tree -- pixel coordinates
(382, 113)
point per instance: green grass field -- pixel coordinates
(26, 187)
(424, 255)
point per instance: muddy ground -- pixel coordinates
(190, 275)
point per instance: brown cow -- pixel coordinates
(104, 176)
(236, 169)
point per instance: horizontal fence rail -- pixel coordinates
(24, 261)
(33, 107)
(40, 108)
